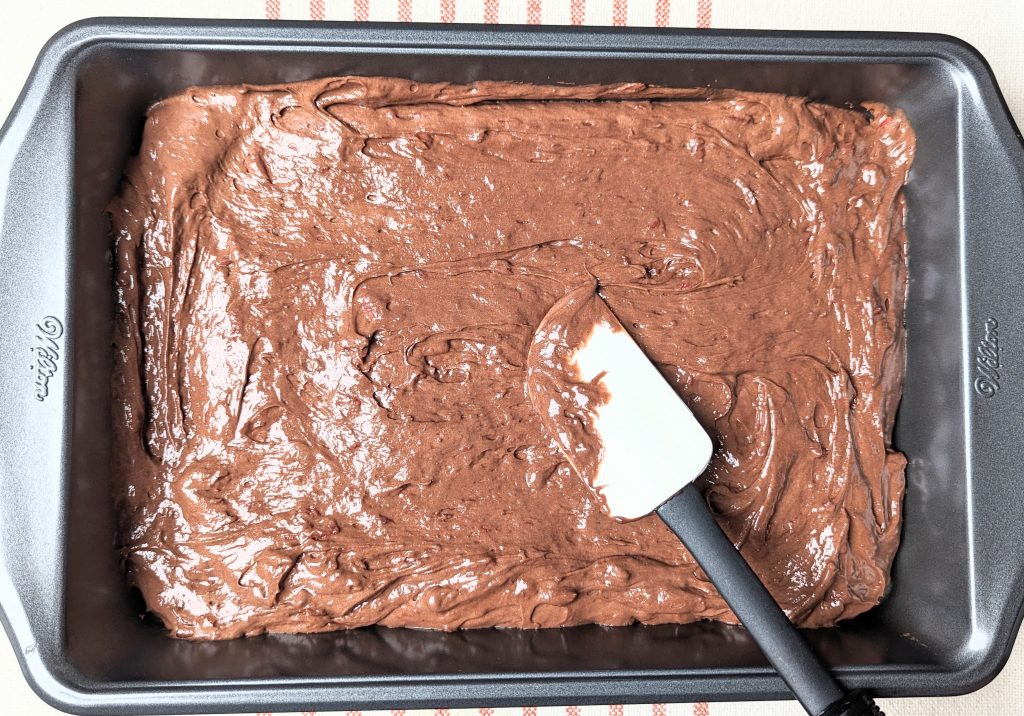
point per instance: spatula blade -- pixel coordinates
(651, 445)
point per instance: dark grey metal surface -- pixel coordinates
(950, 620)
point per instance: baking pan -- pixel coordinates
(946, 627)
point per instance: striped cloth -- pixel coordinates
(659, 13)
(992, 26)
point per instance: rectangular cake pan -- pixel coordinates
(950, 620)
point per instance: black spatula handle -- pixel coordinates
(687, 515)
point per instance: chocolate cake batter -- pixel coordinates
(327, 293)
(565, 403)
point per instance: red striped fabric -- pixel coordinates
(662, 11)
(533, 12)
(405, 10)
(577, 11)
(447, 10)
(703, 13)
(360, 10)
(491, 11)
(620, 12)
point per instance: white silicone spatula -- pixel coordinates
(596, 390)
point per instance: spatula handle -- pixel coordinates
(687, 515)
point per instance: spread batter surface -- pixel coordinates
(327, 293)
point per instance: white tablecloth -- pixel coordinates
(992, 27)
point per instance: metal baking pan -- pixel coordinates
(950, 620)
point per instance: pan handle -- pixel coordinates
(36, 351)
(993, 264)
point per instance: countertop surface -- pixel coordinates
(992, 27)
